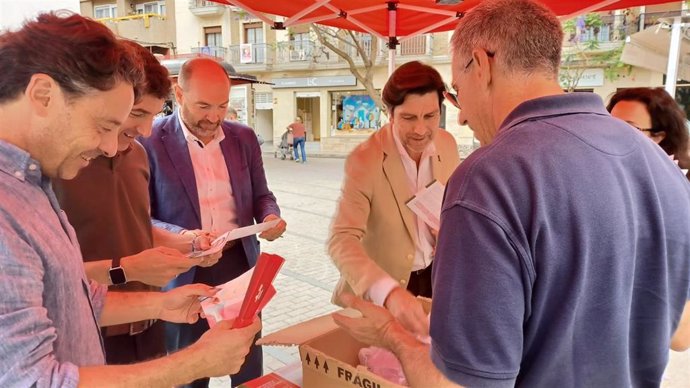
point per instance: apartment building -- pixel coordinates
(151, 23)
(312, 81)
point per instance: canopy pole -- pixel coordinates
(391, 61)
(392, 35)
(673, 57)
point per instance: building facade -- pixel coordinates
(313, 81)
(151, 23)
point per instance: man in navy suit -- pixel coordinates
(207, 173)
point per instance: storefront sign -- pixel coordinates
(314, 82)
(238, 100)
(590, 78)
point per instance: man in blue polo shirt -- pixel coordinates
(563, 256)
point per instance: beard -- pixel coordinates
(203, 128)
(418, 143)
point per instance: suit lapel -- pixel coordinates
(176, 146)
(437, 167)
(397, 178)
(230, 146)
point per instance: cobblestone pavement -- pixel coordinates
(307, 195)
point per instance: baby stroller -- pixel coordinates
(285, 147)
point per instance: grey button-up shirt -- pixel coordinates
(48, 309)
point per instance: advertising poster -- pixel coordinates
(358, 113)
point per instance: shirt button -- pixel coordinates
(410, 257)
(19, 174)
(33, 167)
(403, 281)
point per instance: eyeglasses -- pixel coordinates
(453, 97)
(647, 130)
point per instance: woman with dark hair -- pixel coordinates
(654, 112)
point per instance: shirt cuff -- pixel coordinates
(378, 292)
(98, 295)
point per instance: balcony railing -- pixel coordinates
(146, 18)
(413, 46)
(251, 54)
(150, 28)
(295, 51)
(651, 18)
(206, 8)
(214, 51)
(307, 53)
(615, 28)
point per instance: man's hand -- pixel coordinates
(208, 260)
(198, 240)
(373, 328)
(408, 311)
(276, 231)
(181, 305)
(377, 327)
(156, 266)
(223, 349)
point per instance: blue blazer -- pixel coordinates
(174, 197)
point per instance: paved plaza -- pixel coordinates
(307, 195)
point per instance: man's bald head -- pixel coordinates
(203, 93)
(210, 69)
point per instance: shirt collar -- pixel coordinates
(191, 138)
(18, 163)
(556, 105)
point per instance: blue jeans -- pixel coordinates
(299, 141)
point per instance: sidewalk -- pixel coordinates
(312, 148)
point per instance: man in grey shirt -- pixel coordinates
(67, 86)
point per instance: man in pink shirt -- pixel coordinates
(299, 134)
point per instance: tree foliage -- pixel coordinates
(360, 51)
(584, 50)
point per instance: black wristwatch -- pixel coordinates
(117, 273)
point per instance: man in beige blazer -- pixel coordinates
(381, 248)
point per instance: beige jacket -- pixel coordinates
(372, 232)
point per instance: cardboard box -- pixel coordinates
(270, 380)
(330, 356)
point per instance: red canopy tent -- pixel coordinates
(397, 20)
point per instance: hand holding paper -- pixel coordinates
(251, 289)
(427, 203)
(235, 234)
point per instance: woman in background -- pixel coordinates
(654, 112)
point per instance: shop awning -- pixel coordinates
(173, 65)
(649, 49)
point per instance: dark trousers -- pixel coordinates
(179, 336)
(130, 349)
(420, 282)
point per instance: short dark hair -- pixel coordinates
(157, 81)
(78, 53)
(412, 78)
(666, 115)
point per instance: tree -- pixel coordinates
(353, 47)
(585, 51)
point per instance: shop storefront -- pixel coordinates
(354, 113)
